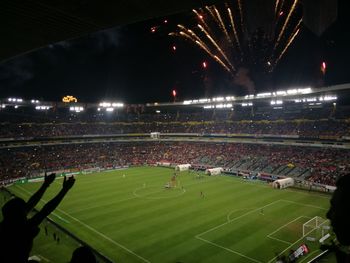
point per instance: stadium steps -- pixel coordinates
(276, 169)
(304, 174)
(236, 163)
(290, 171)
(253, 164)
(258, 166)
(241, 162)
(268, 169)
(296, 172)
(281, 171)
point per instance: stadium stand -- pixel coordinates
(314, 164)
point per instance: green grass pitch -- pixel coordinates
(129, 216)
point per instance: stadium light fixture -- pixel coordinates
(105, 104)
(218, 99)
(311, 99)
(42, 107)
(109, 109)
(14, 100)
(34, 101)
(208, 106)
(281, 93)
(225, 106)
(265, 94)
(76, 109)
(276, 102)
(329, 98)
(305, 90)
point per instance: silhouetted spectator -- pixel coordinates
(83, 254)
(340, 218)
(16, 231)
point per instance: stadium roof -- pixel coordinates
(297, 95)
(28, 25)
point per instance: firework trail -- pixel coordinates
(285, 23)
(220, 32)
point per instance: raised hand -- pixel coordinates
(49, 178)
(68, 183)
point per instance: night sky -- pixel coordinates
(134, 65)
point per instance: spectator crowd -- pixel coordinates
(302, 128)
(319, 165)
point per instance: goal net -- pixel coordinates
(316, 229)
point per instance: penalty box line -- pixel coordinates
(239, 217)
(94, 230)
(228, 249)
(278, 229)
(236, 218)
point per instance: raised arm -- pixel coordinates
(54, 202)
(35, 198)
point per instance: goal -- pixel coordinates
(316, 229)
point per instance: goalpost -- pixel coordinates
(316, 229)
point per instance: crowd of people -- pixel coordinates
(304, 122)
(318, 165)
(302, 128)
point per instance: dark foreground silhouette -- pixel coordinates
(17, 232)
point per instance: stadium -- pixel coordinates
(124, 161)
(229, 178)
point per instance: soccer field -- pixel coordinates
(133, 218)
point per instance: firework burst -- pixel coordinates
(224, 32)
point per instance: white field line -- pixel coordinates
(308, 256)
(236, 218)
(301, 191)
(280, 240)
(95, 231)
(255, 210)
(278, 229)
(44, 258)
(227, 249)
(134, 197)
(236, 210)
(53, 213)
(271, 260)
(319, 255)
(313, 206)
(283, 241)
